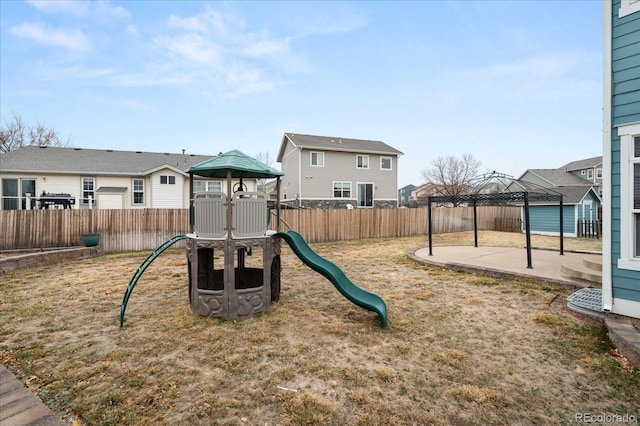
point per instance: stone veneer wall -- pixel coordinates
(48, 257)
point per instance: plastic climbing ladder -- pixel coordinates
(143, 266)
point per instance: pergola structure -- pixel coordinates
(499, 199)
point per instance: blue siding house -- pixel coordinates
(580, 201)
(621, 158)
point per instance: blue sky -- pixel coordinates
(518, 84)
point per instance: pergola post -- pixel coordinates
(429, 225)
(527, 228)
(561, 226)
(475, 223)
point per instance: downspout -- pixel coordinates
(607, 291)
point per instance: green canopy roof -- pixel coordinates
(240, 164)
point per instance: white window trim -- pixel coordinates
(627, 7)
(168, 182)
(333, 188)
(599, 173)
(627, 134)
(311, 159)
(133, 192)
(363, 156)
(590, 174)
(84, 200)
(390, 164)
(208, 185)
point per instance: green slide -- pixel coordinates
(329, 270)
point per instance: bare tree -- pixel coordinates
(264, 157)
(16, 134)
(451, 176)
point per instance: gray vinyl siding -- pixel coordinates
(289, 167)
(341, 166)
(625, 106)
(534, 179)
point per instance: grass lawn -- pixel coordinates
(459, 348)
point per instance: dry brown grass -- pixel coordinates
(459, 349)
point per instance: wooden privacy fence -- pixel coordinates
(145, 229)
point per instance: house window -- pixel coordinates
(627, 7)
(342, 189)
(10, 194)
(28, 187)
(629, 197)
(207, 186)
(170, 180)
(362, 161)
(599, 173)
(19, 193)
(385, 163)
(590, 174)
(635, 160)
(88, 190)
(317, 159)
(138, 191)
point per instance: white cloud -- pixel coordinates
(100, 9)
(67, 38)
(131, 30)
(193, 48)
(68, 7)
(267, 48)
(209, 22)
(552, 75)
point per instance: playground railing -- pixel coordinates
(249, 214)
(210, 214)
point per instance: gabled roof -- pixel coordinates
(587, 163)
(240, 165)
(409, 187)
(571, 194)
(329, 143)
(555, 177)
(34, 159)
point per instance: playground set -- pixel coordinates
(234, 223)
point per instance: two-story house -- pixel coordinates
(334, 172)
(404, 196)
(576, 181)
(621, 158)
(589, 169)
(104, 179)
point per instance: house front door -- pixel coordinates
(365, 195)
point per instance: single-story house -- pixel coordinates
(35, 177)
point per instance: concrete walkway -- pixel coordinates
(508, 262)
(18, 406)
